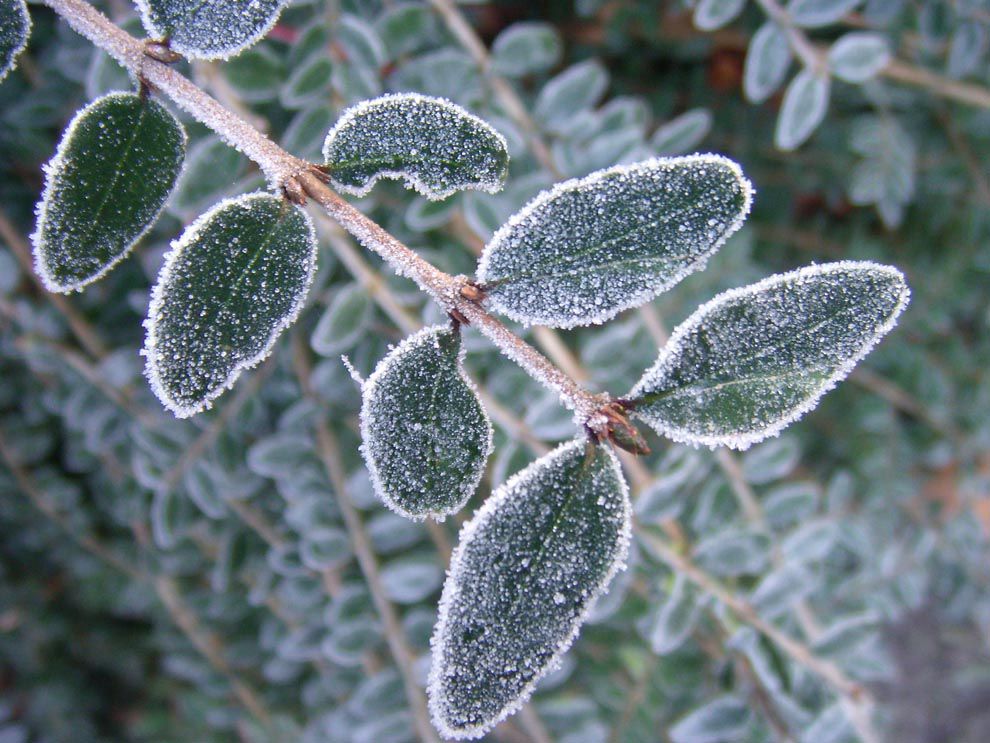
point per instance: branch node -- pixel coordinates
(159, 50)
(472, 291)
(294, 192)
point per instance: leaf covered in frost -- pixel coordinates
(106, 185)
(589, 248)
(235, 279)
(209, 30)
(15, 27)
(528, 568)
(434, 145)
(767, 61)
(802, 110)
(753, 360)
(426, 435)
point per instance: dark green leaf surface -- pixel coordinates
(529, 566)
(209, 29)
(435, 146)
(753, 360)
(15, 27)
(235, 279)
(587, 249)
(114, 168)
(426, 435)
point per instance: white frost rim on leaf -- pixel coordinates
(436, 698)
(144, 7)
(16, 51)
(637, 298)
(411, 179)
(53, 170)
(179, 246)
(742, 441)
(367, 393)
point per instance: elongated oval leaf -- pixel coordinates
(434, 145)
(804, 106)
(587, 249)
(753, 360)
(106, 185)
(683, 133)
(815, 13)
(209, 30)
(526, 47)
(528, 568)
(712, 14)
(426, 435)
(767, 62)
(858, 56)
(235, 279)
(15, 27)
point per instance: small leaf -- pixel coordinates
(753, 360)
(528, 569)
(230, 285)
(858, 56)
(209, 30)
(676, 619)
(344, 322)
(435, 146)
(525, 48)
(426, 435)
(577, 88)
(966, 50)
(713, 14)
(767, 62)
(804, 106)
(816, 13)
(682, 134)
(15, 27)
(114, 168)
(722, 719)
(587, 249)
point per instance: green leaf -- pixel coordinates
(967, 49)
(344, 322)
(209, 30)
(577, 88)
(256, 75)
(587, 249)
(676, 618)
(526, 47)
(804, 106)
(236, 278)
(710, 15)
(426, 435)
(858, 56)
(767, 62)
(816, 13)
(723, 719)
(529, 566)
(308, 83)
(435, 146)
(682, 134)
(105, 187)
(753, 360)
(15, 27)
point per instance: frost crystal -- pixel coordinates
(15, 27)
(587, 249)
(528, 569)
(426, 435)
(434, 145)
(236, 278)
(106, 185)
(753, 360)
(209, 30)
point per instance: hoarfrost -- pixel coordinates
(528, 569)
(231, 284)
(753, 360)
(589, 248)
(434, 145)
(426, 435)
(209, 30)
(15, 28)
(117, 162)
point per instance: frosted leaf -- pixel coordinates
(710, 15)
(15, 27)
(676, 618)
(802, 110)
(753, 360)
(683, 133)
(817, 13)
(235, 279)
(209, 30)
(858, 56)
(434, 145)
(529, 567)
(426, 435)
(767, 61)
(724, 718)
(106, 185)
(589, 248)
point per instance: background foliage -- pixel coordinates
(197, 580)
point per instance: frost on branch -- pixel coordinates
(587, 249)
(209, 30)
(15, 27)
(753, 360)
(235, 279)
(111, 175)
(435, 146)
(528, 569)
(426, 435)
